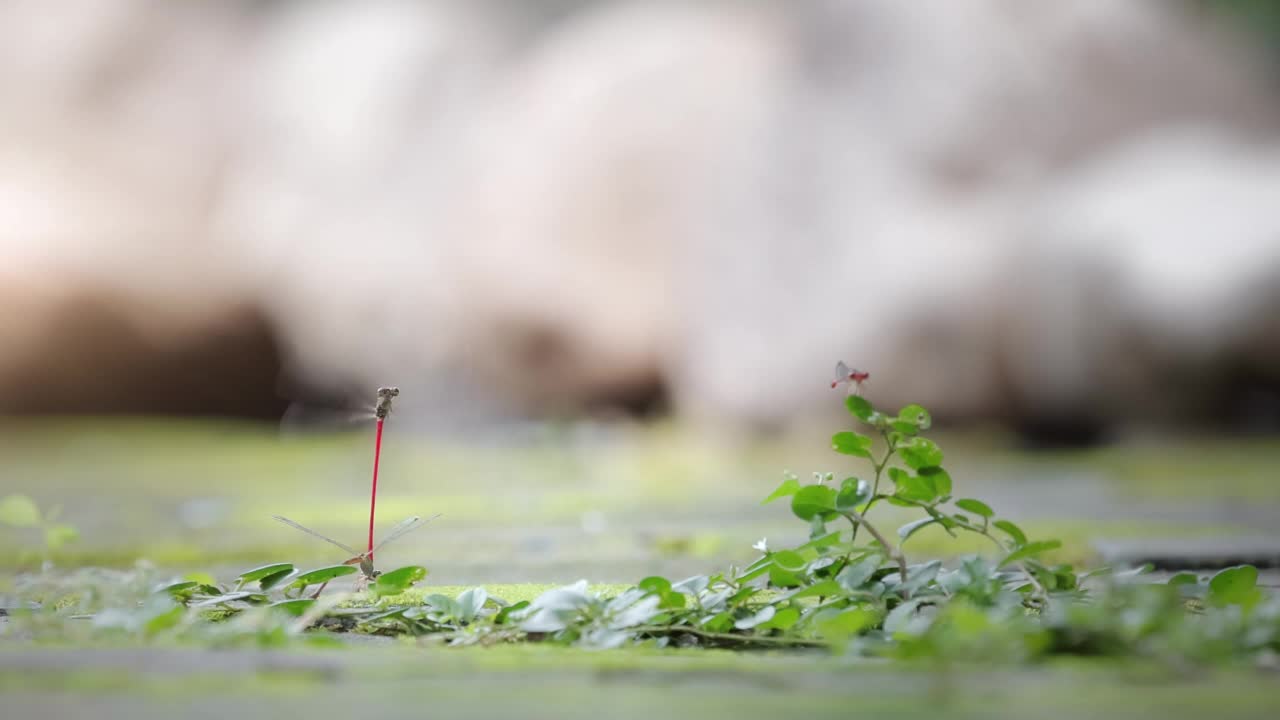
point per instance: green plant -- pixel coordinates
(849, 587)
(22, 513)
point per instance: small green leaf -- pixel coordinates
(164, 620)
(1030, 549)
(977, 507)
(790, 486)
(1013, 531)
(505, 613)
(855, 576)
(470, 602)
(912, 487)
(920, 453)
(55, 536)
(782, 620)
(1234, 586)
(179, 590)
(719, 622)
(655, 584)
(398, 580)
(853, 492)
(242, 596)
(918, 576)
(848, 623)
(19, 511)
(826, 588)
(911, 528)
(814, 501)
(763, 615)
(859, 408)
(293, 607)
(322, 575)
(939, 481)
(789, 560)
(1184, 578)
(258, 573)
(916, 416)
(851, 443)
(275, 579)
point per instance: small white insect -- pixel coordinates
(852, 377)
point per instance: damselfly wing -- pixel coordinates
(312, 409)
(364, 559)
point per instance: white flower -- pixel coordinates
(762, 545)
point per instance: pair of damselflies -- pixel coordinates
(364, 560)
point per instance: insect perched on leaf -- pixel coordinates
(852, 377)
(363, 559)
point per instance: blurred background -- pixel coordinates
(610, 252)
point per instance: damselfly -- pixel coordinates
(852, 377)
(364, 559)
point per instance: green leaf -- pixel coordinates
(55, 536)
(915, 416)
(505, 613)
(258, 573)
(790, 486)
(398, 580)
(920, 453)
(1030, 549)
(470, 602)
(853, 492)
(271, 581)
(180, 591)
(814, 501)
(719, 622)
(977, 507)
(855, 576)
(763, 615)
(789, 560)
(901, 618)
(322, 575)
(851, 443)
(672, 600)
(294, 607)
(1013, 531)
(918, 576)
(939, 481)
(826, 588)
(655, 584)
(241, 596)
(782, 620)
(164, 620)
(912, 487)
(848, 623)
(1184, 578)
(859, 408)
(19, 511)
(911, 528)
(1234, 586)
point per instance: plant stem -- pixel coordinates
(875, 485)
(728, 637)
(984, 532)
(890, 549)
